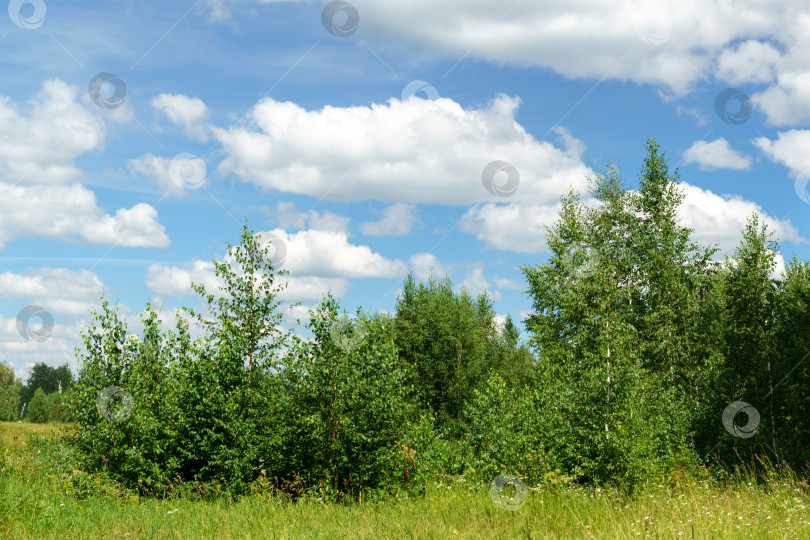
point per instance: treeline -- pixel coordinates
(43, 398)
(640, 349)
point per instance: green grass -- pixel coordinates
(38, 500)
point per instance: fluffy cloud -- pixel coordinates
(716, 219)
(425, 264)
(788, 102)
(288, 216)
(475, 283)
(396, 220)
(189, 113)
(750, 62)
(791, 149)
(57, 290)
(720, 219)
(39, 148)
(176, 281)
(318, 261)
(512, 227)
(416, 151)
(67, 212)
(329, 254)
(717, 154)
(176, 176)
(669, 43)
(39, 195)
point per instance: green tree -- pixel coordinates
(510, 357)
(751, 297)
(350, 393)
(230, 393)
(48, 378)
(10, 387)
(610, 309)
(791, 369)
(39, 408)
(445, 336)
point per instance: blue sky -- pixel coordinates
(253, 109)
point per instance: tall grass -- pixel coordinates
(42, 497)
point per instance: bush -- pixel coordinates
(39, 409)
(228, 411)
(350, 393)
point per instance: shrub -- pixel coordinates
(39, 409)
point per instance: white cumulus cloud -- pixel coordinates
(717, 154)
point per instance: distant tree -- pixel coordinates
(10, 387)
(39, 408)
(446, 337)
(510, 357)
(48, 378)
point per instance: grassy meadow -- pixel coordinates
(39, 498)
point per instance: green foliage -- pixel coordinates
(229, 409)
(351, 402)
(613, 335)
(451, 342)
(48, 378)
(10, 387)
(631, 360)
(39, 408)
